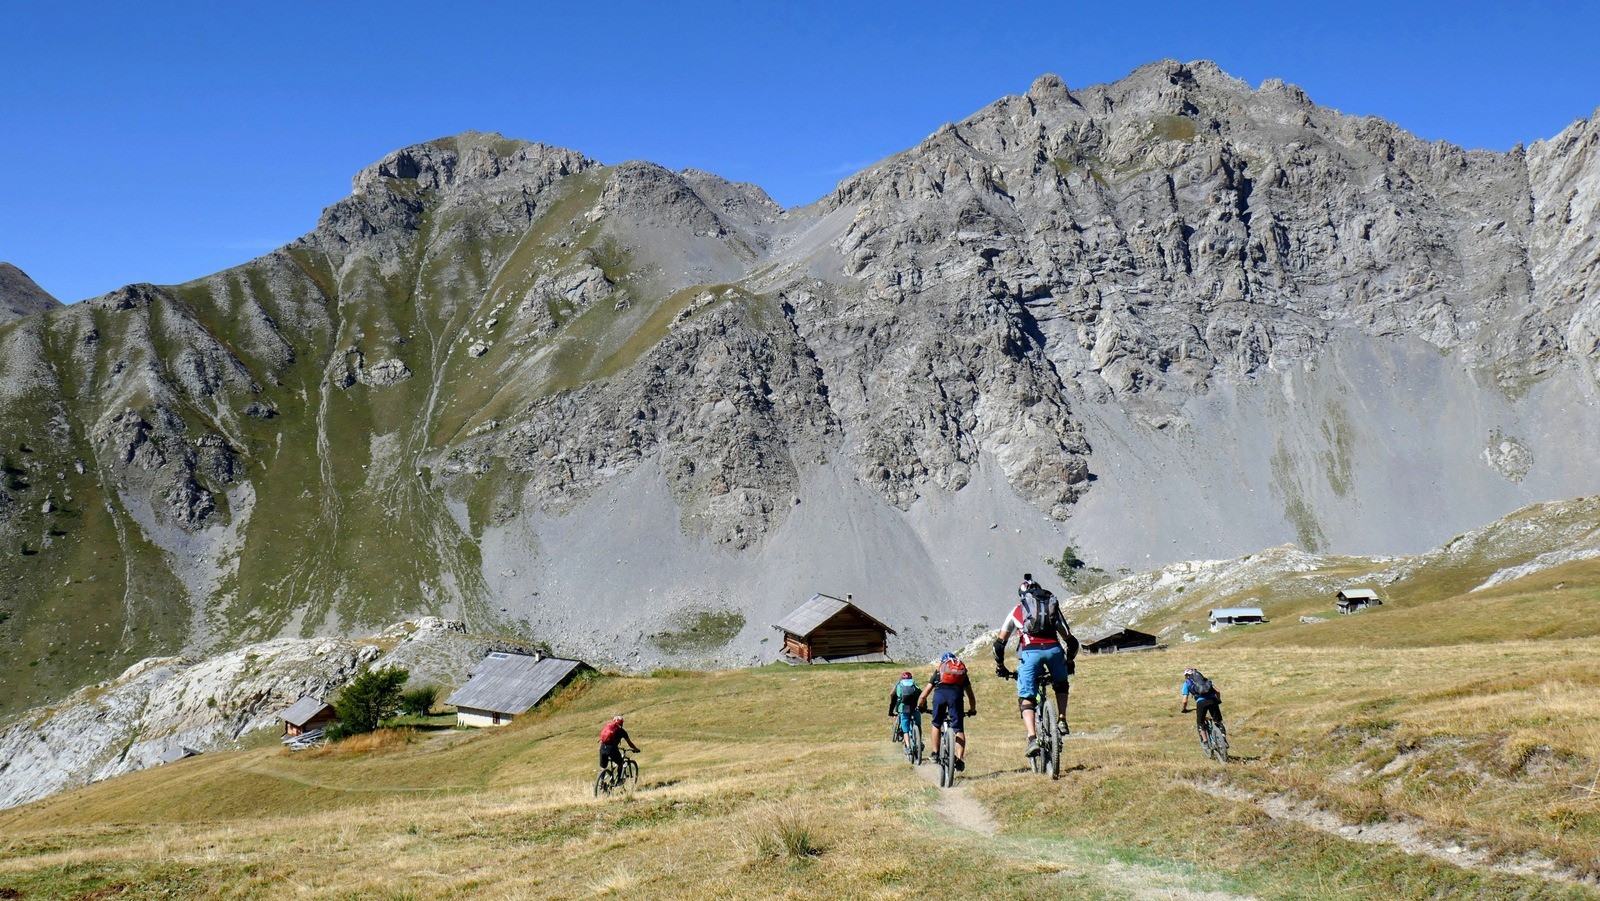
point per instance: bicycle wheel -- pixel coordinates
(915, 752)
(1219, 744)
(1050, 741)
(602, 784)
(947, 757)
(630, 775)
(1038, 760)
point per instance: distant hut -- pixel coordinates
(1121, 640)
(505, 685)
(176, 753)
(1351, 600)
(827, 629)
(1222, 617)
(307, 715)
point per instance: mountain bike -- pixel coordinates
(913, 748)
(620, 775)
(1049, 731)
(1215, 741)
(945, 754)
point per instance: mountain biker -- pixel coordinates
(1207, 701)
(1044, 642)
(947, 685)
(612, 735)
(903, 697)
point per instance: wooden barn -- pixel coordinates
(306, 715)
(1121, 641)
(1351, 600)
(827, 629)
(504, 685)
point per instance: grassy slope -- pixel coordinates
(1481, 744)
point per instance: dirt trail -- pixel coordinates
(957, 809)
(1406, 835)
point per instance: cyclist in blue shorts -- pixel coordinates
(903, 696)
(1045, 645)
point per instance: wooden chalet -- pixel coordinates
(505, 685)
(307, 715)
(827, 629)
(1352, 600)
(1121, 641)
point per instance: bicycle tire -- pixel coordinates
(630, 775)
(915, 754)
(1050, 741)
(947, 757)
(1219, 740)
(602, 785)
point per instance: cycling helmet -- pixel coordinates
(906, 674)
(947, 657)
(617, 719)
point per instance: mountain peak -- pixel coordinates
(20, 295)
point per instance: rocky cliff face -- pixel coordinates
(1168, 317)
(19, 295)
(126, 723)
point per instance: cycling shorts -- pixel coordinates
(1030, 661)
(947, 708)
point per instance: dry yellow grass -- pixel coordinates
(771, 782)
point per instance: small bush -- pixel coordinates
(419, 701)
(786, 833)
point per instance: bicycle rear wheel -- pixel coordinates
(630, 775)
(602, 784)
(915, 752)
(1219, 744)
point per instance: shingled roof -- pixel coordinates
(813, 613)
(303, 710)
(511, 683)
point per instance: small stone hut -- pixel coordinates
(306, 715)
(827, 629)
(1352, 600)
(505, 685)
(1222, 617)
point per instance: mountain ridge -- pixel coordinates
(1164, 318)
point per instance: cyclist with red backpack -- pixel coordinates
(1045, 644)
(948, 684)
(612, 735)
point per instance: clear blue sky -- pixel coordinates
(159, 142)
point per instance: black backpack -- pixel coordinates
(1040, 613)
(1202, 687)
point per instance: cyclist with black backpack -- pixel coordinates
(1045, 644)
(1207, 700)
(948, 684)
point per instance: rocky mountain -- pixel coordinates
(19, 295)
(640, 413)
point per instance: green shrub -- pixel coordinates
(367, 701)
(418, 701)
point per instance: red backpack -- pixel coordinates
(952, 672)
(608, 733)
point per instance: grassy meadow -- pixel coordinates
(781, 782)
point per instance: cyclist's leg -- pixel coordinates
(1027, 683)
(1200, 719)
(937, 721)
(905, 726)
